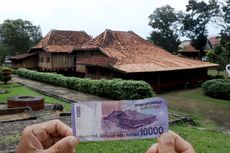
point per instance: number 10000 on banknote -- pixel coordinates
(119, 120)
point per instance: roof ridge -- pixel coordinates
(53, 30)
(106, 37)
(48, 38)
(129, 31)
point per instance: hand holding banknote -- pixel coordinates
(48, 137)
(171, 142)
(108, 120)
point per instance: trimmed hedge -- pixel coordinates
(218, 88)
(115, 88)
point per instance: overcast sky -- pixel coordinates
(92, 16)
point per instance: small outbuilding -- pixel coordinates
(29, 61)
(187, 50)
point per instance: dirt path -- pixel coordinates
(218, 113)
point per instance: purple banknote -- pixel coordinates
(116, 120)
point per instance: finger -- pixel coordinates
(45, 131)
(153, 148)
(56, 128)
(166, 143)
(181, 145)
(65, 145)
(26, 135)
(49, 142)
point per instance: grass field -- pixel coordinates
(193, 95)
(212, 112)
(15, 89)
(204, 141)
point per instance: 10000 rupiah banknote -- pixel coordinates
(116, 120)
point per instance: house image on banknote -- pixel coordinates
(53, 52)
(124, 54)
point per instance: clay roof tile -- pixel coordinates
(135, 54)
(63, 41)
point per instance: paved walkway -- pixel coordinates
(57, 91)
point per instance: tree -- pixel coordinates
(3, 53)
(165, 22)
(225, 32)
(198, 16)
(225, 43)
(218, 55)
(19, 35)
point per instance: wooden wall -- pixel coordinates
(56, 61)
(160, 81)
(62, 61)
(45, 60)
(29, 62)
(86, 55)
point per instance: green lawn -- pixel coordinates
(210, 112)
(192, 95)
(198, 95)
(15, 89)
(204, 141)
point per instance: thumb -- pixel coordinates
(65, 145)
(166, 143)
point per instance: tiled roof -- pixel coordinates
(95, 60)
(186, 46)
(22, 56)
(128, 52)
(62, 41)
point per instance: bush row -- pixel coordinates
(115, 88)
(218, 88)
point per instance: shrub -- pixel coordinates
(115, 88)
(215, 77)
(218, 88)
(5, 75)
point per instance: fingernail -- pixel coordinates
(73, 141)
(166, 138)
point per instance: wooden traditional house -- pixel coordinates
(53, 52)
(118, 54)
(29, 61)
(187, 50)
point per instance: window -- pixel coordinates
(47, 59)
(74, 59)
